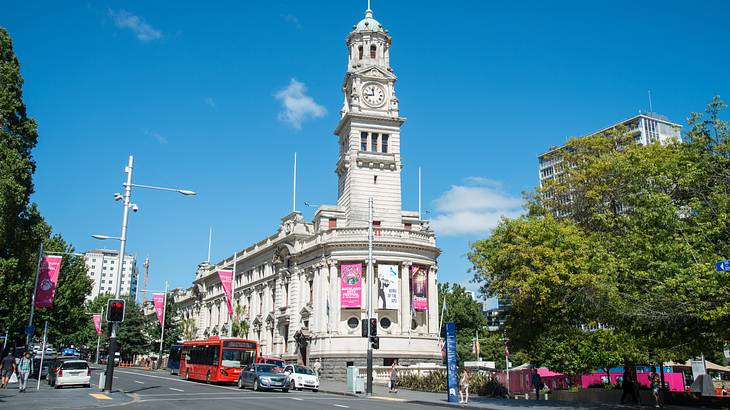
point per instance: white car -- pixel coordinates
(302, 377)
(72, 372)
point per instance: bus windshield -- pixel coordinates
(236, 358)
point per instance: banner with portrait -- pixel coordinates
(388, 287)
(350, 285)
(419, 287)
(47, 279)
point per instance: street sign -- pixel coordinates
(29, 330)
(722, 266)
(452, 372)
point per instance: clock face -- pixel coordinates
(373, 95)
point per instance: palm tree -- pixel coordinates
(239, 325)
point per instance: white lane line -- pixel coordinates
(296, 398)
(137, 381)
(179, 380)
(174, 389)
(341, 405)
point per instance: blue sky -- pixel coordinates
(199, 95)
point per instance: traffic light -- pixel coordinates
(115, 310)
(373, 326)
(364, 327)
(375, 342)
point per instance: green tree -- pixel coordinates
(466, 313)
(189, 329)
(22, 228)
(133, 334)
(239, 326)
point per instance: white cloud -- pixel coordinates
(474, 208)
(297, 105)
(293, 20)
(157, 136)
(141, 29)
(210, 102)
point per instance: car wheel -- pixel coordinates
(285, 390)
(56, 386)
(315, 390)
(240, 383)
(87, 385)
(256, 385)
(207, 378)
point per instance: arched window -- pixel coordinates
(373, 50)
(359, 52)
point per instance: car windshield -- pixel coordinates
(235, 358)
(75, 366)
(267, 368)
(303, 370)
(275, 362)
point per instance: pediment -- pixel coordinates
(270, 318)
(374, 72)
(306, 311)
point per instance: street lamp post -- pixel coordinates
(122, 245)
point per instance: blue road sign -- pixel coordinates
(452, 372)
(29, 330)
(723, 266)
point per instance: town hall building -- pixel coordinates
(303, 290)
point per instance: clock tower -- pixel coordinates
(369, 162)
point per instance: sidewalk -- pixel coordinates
(475, 402)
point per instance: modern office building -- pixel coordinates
(645, 129)
(102, 265)
(303, 289)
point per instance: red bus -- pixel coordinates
(217, 359)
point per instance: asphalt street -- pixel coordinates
(140, 389)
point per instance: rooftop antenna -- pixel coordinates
(368, 4)
(294, 190)
(650, 108)
(146, 278)
(419, 193)
(210, 239)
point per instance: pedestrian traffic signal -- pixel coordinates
(115, 310)
(373, 326)
(375, 342)
(364, 327)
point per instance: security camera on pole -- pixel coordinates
(115, 307)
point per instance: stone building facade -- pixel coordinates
(290, 284)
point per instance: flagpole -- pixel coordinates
(43, 354)
(29, 329)
(230, 314)
(162, 331)
(98, 337)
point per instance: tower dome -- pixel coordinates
(368, 23)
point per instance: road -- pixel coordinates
(140, 389)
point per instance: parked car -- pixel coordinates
(302, 377)
(271, 360)
(261, 376)
(70, 372)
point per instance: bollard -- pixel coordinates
(546, 396)
(101, 380)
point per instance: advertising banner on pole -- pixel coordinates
(158, 300)
(388, 287)
(452, 372)
(226, 277)
(350, 285)
(47, 279)
(419, 287)
(97, 322)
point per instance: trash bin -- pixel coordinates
(359, 384)
(353, 384)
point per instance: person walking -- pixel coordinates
(317, 367)
(7, 368)
(25, 369)
(393, 386)
(536, 382)
(655, 382)
(464, 387)
(627, 385)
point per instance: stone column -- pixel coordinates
(405, 297)
(433, 305)
(334, 296)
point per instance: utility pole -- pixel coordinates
(123, 243)
(162, 329)
(369, 281)
(29, 328)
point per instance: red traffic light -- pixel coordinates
(115, 310)
(373, 326)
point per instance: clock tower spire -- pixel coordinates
(369, 129)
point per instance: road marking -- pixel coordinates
(172, 388)
(137, 381)
(100, 396)
(177, 380)
(341, 405)
(387, 398)
(297, 398)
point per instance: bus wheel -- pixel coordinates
(207, 378)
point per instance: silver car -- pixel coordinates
(263, 377)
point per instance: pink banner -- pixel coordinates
(47, 279)
(97, 323)
(158, 300)
(226, 277)
(419, 287)
(351, 285)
